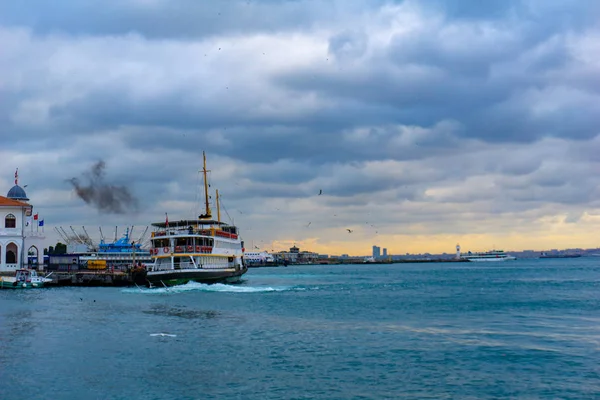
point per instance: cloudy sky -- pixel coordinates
(424, 123)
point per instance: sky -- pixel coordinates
(424, 123)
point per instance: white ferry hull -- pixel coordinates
(496, 259)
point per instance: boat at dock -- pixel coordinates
(489, 256)
(259, 259)
(23, 279)
(204, 250)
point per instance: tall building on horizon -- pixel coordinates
(385, 252)
(376, 251)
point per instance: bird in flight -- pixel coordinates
(320, 192)
(349, 230)
(308, 225)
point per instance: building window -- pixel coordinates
(11, 257)
(10, 221)
(11, 253)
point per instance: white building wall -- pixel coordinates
(24, 237)
(11, 235)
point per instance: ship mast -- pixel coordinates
(205, 171)
(218, 208)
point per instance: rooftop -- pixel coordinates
(6, 202)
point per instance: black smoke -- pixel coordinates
(105, 197)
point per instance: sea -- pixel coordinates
(525, 329)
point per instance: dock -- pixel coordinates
(90, 278)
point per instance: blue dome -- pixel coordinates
(17, 193)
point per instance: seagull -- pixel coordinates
(349, 230)
(256, 247)
(320, 192)
(308, 225)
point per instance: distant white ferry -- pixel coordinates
(489, 256)
(258, 257)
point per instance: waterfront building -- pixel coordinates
(295, 256)
(20, 242)
(376, 251)
(385, 253)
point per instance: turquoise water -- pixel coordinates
(522, 329)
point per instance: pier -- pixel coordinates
(90, 278)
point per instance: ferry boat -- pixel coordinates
(489, 256)
(253, 258)
(202, 250)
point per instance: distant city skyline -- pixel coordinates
(333, 125)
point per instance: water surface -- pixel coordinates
(522, 329)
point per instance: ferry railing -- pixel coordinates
(187, 232)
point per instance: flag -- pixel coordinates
(28, 221)
(167, 220)
(41, 223)
(17, 176)
(35, 217)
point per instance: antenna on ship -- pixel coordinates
(205, 171)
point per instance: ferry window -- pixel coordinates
(10, 221)
(161, 243)
(181, 242)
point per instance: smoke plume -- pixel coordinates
(105, 197)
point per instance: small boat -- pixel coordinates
(23, 279)
(489, 256)
(201, 250)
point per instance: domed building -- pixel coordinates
(17, 193)
(19, 242)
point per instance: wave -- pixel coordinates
(163, 334)
(203, 287)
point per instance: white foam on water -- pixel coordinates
(202, 287)
(163, 334)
